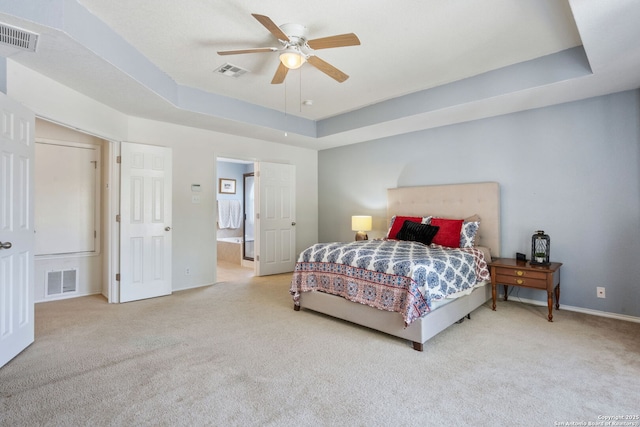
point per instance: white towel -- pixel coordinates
(229, 214)
(224, 213)
(235, 214)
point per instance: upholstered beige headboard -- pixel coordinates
(453, 201)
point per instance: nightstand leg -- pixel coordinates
(493, 296)
(558, 297)
(550, 304)
(505, 292)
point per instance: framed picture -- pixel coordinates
(227, 186)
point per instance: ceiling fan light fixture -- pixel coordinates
(292, 59)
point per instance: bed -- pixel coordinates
(417, 324)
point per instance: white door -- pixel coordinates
(16, 228)
(145, 221)
(275, 218)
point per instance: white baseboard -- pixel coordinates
(192, 287)
(624, 317)
(68, 296)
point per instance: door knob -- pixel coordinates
(293, 223)
(167, 228)
(5, 245)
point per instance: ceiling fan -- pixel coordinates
(296, 49)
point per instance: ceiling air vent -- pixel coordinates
(231, 70)
(17, 37)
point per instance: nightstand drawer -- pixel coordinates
(522, 281)
(521, 273)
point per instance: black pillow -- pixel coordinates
(416, 232)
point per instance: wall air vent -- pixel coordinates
(17, 37)
(61, 282)
(231, 70)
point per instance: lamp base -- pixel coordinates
(532, 262)
(361, 235)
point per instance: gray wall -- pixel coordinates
(572, 170)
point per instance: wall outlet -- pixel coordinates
(600, 292)
(187, 271)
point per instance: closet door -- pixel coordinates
(145, 221)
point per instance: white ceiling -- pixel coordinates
(421, 63)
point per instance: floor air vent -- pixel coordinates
(231, 70)
(61, 282)
(17, 37)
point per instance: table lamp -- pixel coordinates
(361, 224)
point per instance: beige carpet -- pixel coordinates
(237, 354)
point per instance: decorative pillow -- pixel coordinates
(468, 233)
(426, 219)
(397, 222)
(449, 234)
(415, 232)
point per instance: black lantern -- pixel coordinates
(540, 248)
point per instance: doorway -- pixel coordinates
(235, 231)
(274, 204)
(71, 211)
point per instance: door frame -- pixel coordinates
(244, 221)
(111, 261)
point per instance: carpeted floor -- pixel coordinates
(237, 353)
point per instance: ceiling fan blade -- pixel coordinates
(327, 68)
(341, 40)
(281, 73)
(271, 26)
(240, 51)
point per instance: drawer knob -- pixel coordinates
(519, 272)
(519, 281)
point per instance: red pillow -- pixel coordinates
(449, 233)
(399, 221)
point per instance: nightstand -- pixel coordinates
(511, 272)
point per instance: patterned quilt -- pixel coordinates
(391, 275)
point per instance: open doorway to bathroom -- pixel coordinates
(234, 219)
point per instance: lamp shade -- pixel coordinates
(292, 59)
(361, 223)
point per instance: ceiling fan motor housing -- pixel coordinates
(296, 32)
(297, 40)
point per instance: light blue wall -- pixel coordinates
(572, 170)
(230, 170)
